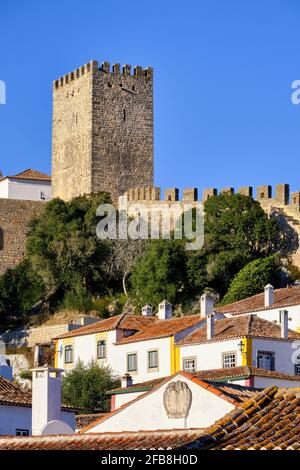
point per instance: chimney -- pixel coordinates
(164, 310)
(284, 323)
(147, 311)
(6, 370)
(210, 326)
(207, 305)
(46, 397)
(269, 295)
(126, 381)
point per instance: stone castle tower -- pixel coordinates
(102, 130)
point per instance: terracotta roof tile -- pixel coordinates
(84, 420)
(30, 175)
(249, 326)
(141, 440)
(13, 395)
(123, 321)
(163, 328)
(268, 420)
(286, 297)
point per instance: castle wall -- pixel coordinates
(72, 134)
(15, 216)
(283, 206)
(102, 130)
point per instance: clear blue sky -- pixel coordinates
(223, 73)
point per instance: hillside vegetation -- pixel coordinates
(67, 266)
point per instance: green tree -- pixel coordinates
(20, 290)
(237, 231)
(238, 223)
(160, 273)
(63, 248)
(85, 387)
(253, 278)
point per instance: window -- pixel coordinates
(101, 349)
(22, 432)
(189, 364)
(229, 360)
(124, 115)
(297, 366)
(153, 359)
(132, 362)
(266, 360)
(68, 354)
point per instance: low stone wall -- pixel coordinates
(15, 216)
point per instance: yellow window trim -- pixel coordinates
(247, 352)
(174, 356)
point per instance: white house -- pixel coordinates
(250, 377)
(242, 341)
(31, 185)
(178, 402)
(268, 304)
(25, 414)
(142, 345)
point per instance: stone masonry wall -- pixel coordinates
(15, 216)
(102, 130)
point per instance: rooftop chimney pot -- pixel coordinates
(206, 305)
(210, 325)
(269, 295)
(164, 310)
(284, 324)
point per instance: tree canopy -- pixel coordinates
(85, 387)
(253, 278)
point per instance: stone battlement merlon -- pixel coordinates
(264, 195)
(105, 67)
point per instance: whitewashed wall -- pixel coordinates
(85, 350)
(209, 355)
(25, 190)
(149, 413)
(4, 189)
(119, 361)
(283, 354)
(14, 417)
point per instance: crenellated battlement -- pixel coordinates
(93, 67)
(263, 194)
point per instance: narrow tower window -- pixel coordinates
(124, 114)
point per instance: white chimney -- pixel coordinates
(164, 310)
(284, 323)
(46, 397)
(147, 311)
(207, 305)
(6, 370)
(269, 295)
(210, 326)
(126, 381)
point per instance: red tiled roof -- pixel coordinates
(249, 326)
(84, 420)
(269, 420)
(163, 328)
(30, 175)
(234, 394)
(286, 297)
(223, 374)
(124, 321)
(141, 440)
(13, 395)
